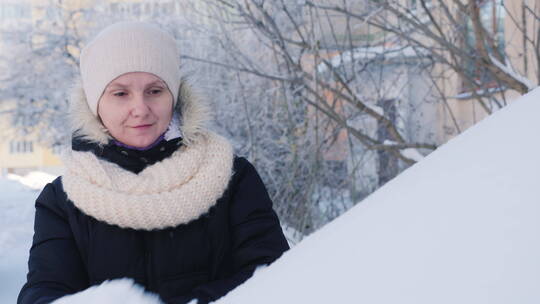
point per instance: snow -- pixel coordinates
(112, 292)
(460, 226)
(413, 154)
(410, 153)
(16, 230)
(370, 53)
(35, 180)
(292, 235)
(480, 92)
(508, 69)
(375, 108)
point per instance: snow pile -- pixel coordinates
(112, 292)
(35, 180)
(16, 230)
(461, 226)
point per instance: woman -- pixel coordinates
(149, 193)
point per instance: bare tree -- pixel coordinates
(466, 37)
(343, 141)
(367, 77)
(39, 75)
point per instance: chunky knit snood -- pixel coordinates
(171, 192)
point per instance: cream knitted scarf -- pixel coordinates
(171, 192)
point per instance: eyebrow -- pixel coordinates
(122, 85)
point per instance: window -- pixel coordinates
(492, 15)
(147, 9)
(118, 8)
(142, 9)
(136, 9)
(57, 149)
(14, 11)
(114, 8)
(19, 147)
(52, 12)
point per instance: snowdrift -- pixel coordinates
(35, 180)
(461, 226)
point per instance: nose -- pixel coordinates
(139, 106)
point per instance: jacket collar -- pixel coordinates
(129, 159)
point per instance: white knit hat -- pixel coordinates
(128, 47)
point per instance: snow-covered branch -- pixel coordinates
(507, 68)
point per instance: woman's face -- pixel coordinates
(136, 108)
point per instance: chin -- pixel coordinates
(145, 143)
(140, 142)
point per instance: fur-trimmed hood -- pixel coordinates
(192, 109)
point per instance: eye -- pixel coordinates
(156, 91)
(119, 94)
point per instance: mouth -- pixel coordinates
(142, 126)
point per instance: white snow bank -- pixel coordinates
(461, 226)
(35, 180)
(112, 292)
(16, 230)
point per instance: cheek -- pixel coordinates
(107, 121)
(165, 115)
(164, 111)
(110, 116)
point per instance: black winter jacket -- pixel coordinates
(203, 259)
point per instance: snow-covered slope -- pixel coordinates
(462, 226)
(16, 230)
(34, 180)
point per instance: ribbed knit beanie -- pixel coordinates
(125, 47)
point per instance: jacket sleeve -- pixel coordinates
(256, 234)
(55, 267)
